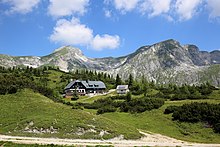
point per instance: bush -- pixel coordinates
(141, 105)
(74, 98)
(106, 109)
(216, 128)
(128, 96)
(197, 96)
(77, 107)
(12, 89)
(130, 105)
(68, 103)
(170, 109)
(193, 96)
(118, 97)
(99, 103)
(199, 112)
(179, 97)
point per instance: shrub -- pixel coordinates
(170, 109)
(128, 96)
(74, 98)
(179, 97)
(141, 105)
(77, 107)
(216, 128)
(69, 104)
(199, 112)
(106, 109)
(118, 97)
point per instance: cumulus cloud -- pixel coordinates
(105, 41)
(186, 9)
(71, 32)
(155, 7)
(125, 5)
(74, 33)
(59, 8)
(172, 10)
(21, 6)
(214, 6)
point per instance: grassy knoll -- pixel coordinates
(28, 113)
(54, 78)
(157, 122)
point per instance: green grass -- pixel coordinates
(10, 144)
(157, 122)
(215, 95)
(54, 79)
(18, 110)
(87, 99)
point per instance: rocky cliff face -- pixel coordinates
(163, 62)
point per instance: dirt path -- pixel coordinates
(147, 140)
(94, 95)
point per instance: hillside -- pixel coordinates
(30, 114)
(164, 62)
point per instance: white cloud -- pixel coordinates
(21, 6)
(71, 32)
(155, 7)
(214, 6)
(105, 41)
(59, 8)
(108, 13)
(74, 33)
(186, 9)
(125, 5)
(172, 10)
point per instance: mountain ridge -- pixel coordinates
(164, 62)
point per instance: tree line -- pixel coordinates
(39, 76)
(170, 91)
(17, 78)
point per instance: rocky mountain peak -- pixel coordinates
(169, 44)
(169, 41)
(164, 62)
(68, 50)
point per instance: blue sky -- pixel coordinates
(102, 28)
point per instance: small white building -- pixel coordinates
(122, 89)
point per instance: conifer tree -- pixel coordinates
(118, 80)
(130, 81)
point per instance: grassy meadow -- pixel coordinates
(20, 109)
(25, 112)
(28, 113)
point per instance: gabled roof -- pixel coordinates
(87, 84)
(121, 87)
(69, 85)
